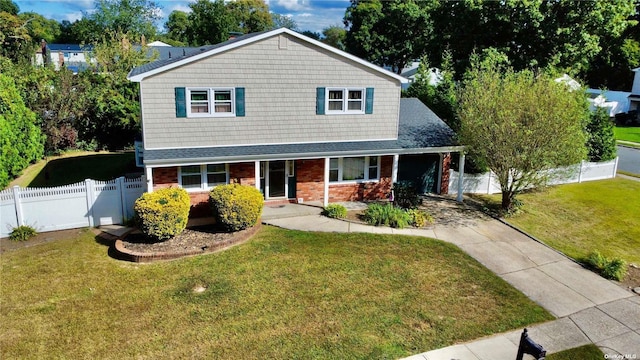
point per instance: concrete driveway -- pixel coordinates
(629, 160)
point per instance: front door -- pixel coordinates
(276, 180)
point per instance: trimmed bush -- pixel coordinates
(614, 269)
(335, 211)
(405, 195)
(163, 213)
(387, 215)
(420, 218)
(236, 207)
(22, 233)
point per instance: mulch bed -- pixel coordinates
(137, 247)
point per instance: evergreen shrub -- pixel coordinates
(163, 213)
(236, 207)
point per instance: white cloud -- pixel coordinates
(293, 5)
(73, 16)
(183, 8)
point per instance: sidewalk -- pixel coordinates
(590, 309)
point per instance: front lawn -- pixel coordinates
(586, 352)
(579, 218)
(284, 294)
(627, 133)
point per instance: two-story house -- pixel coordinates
(296, 118)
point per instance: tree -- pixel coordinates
(135, 17)
(210, 22)
(565, 34)
(9, 7)
(40, 28)
(15, 40)
(311, 34)
(177, 26)
(335, 36)
(285, 21)
(521, 124)
(251, 15)
(601, 142)
(21, 140)
(390, 33)
(81, 31)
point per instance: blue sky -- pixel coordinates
(311, 15)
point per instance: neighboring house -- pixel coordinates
(411, 71)
(299, 120)
(72, 56)
(616, 102)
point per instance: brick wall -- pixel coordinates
(165, 177)
(368, 190)
(310, 179)
(242, 173)
(446, 165)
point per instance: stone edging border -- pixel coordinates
(122, 253)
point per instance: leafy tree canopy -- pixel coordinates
(251, 15)
(521, 123)
(177, 26)
(9, 6)
(210, 22)
(335, 36)
(283, 21)
(136, 17)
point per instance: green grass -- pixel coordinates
(586, 352)
(627, 133)
(579, 218)
(72, 169)
(284, 294)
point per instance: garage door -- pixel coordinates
(421, 169)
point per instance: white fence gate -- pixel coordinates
(88, 203)
(487, 183)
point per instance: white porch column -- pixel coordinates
(394, 171)
(257, 174)
(325, 198)
(148, 174)
(460, 177)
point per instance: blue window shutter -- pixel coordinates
(239, 101)
(368, 105)
(320, 101)
(181, 102)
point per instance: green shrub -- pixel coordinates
(22, 233)
(420, 218)
(387, 215)
(614, 269)
(405, 195)
(163, 213)
(236, 207)
(335, 211)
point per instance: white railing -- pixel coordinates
(88, 203)
(487, 183)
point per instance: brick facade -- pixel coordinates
(446, 165)
(366, 190)
(242, 173)
(310, 179)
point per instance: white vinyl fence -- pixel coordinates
(88, 203)
(487, 183)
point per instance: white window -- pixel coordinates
(203, 177)
(363, 168)
(210, 102)
(345, 101)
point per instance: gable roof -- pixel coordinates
(420, 130)
(139, 73)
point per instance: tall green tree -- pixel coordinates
(565, 34)
(135, 17)
(285, 21)
(21, 142)
(335, 36)
(251, 15)
(177, 26)
(601, 142)
(81, 31)
(40, 28)
(9, 7)
(521, 124)
(15, 41)
(390, 32)
(210, 22)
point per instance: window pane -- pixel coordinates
(373, 173)
(333, 175)
(223, 108)
(216, 179)
(191, 181)
(353, 168)
(335, 105)
(335, 95)
(199, 96)
(373, 161)
(199, 108)
(193, 169)
(211, 168)
(355, 94)
(333, 163)
(223, 95)
(355, 105)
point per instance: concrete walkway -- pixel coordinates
(589, 308)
